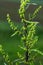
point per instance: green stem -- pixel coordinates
(25, 33)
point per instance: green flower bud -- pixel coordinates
(23, 38)
(23, 10)
(7, 15)
(24, 3)
(20, 15)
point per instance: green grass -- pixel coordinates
(10, 45)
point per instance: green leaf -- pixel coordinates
(38, 51)
(22, 48)
(14, 34)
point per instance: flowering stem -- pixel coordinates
(25, 34)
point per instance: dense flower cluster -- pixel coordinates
(5, 56)
(12, 25)
(36, 12)
(22, 8)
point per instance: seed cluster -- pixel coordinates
(5, 56)
(22, 8)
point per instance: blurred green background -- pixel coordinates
(9, 44)
(35, 1)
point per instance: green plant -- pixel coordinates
(5, 57)
(27, 33)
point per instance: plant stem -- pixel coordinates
(25, 33)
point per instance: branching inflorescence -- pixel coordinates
(28, 36)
